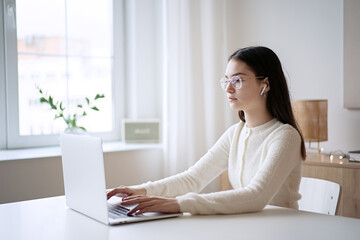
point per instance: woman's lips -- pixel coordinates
(231, 99)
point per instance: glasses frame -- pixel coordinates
(234, 80)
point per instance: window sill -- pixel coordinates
(45, 152)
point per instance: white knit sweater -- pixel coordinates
(264, 166)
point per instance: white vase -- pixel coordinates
(75, 131)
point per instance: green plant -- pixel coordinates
(69, 118)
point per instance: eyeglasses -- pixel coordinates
(235, 81)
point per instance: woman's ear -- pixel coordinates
(266, 80)
(266, 86)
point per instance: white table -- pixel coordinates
(50, 219)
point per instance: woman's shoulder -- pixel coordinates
(285, 130)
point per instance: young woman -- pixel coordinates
(262, 152)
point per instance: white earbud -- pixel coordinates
(263, 90)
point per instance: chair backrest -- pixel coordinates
(318, 195)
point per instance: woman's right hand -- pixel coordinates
(123, 191)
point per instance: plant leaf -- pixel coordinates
(59, 116)
(51, 102)
(79, 106)
(61, 106)
(84, 113)
(72, 122)
(82, 128)
(95, 108)
(87, 100)
(99, 96)
(42, 100)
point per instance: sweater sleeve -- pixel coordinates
(283, 155)
(212, 164)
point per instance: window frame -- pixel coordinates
(9, 83)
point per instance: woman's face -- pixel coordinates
(248, 97)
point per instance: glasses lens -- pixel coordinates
(236, 82)
(224, 82)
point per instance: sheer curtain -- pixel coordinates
(195, 109)
(176, 52)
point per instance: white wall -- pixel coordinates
(307, 35)
(37, 178)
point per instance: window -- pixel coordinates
(66, 48)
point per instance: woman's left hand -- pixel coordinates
(151, 204)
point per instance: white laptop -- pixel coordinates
(85, 186)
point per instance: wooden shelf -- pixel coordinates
(335, 160)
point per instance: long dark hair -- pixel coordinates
(264, 62)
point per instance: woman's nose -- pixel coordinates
(230, 88)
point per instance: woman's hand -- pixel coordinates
(123, 191)
(151, 204)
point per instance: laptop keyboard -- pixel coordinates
(116, 211)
